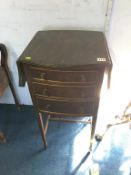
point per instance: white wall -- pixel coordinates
(120, 48)
(20, 20)
(117, 98)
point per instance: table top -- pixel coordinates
(58, 48)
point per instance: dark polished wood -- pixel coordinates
(3, 85)
(2, 137)
(5, 80)
(65, 91)
(64, 71)
(89, 76)
(41, 125)
(4, 57)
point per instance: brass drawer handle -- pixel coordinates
(42, 76)
(82, 94)
(82, 110)
(47, 107)
(83, 78)
(44, 92)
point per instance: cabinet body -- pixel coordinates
(65, 92)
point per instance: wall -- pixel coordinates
(120, 47)
(20, 20)
(118, 97)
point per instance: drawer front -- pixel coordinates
(47, 90)
(64, 107)
(64, 76)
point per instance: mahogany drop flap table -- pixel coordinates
(64, 70)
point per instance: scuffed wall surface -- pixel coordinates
(118, 97)
(20, 20)
(120, 47)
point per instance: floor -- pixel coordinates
(67, 152)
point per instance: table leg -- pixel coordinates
(2, 138)
(42, 129)
(93, 126)
(47, 123)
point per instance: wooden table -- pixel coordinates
(64, 71)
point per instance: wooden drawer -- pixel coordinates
(38, 74)
(65, 107)
(48, 90)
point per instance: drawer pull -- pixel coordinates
(45, 92)
(82, 110)
(82, 94)
(83, 78)
(42, 76)
(47, 107)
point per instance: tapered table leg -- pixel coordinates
(41, 125)
(93, 125)
(2, 137)
(46, 123)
